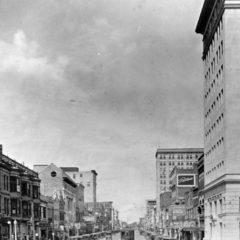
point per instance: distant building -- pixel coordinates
(182, 181)
(66, 194)
(166, 160)
(150, 214)
(218, 23)
(194, 204)
(88, 179)
(46, 225)
(165, 203)
(103, 213)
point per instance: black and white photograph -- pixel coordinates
(120, 120)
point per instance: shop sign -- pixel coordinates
(185, 180)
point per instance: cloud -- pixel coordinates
(21, 56)
(100, 84)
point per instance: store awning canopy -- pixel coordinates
(196, 229)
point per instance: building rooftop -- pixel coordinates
(70, 169)
(16, 164)
(204, 16)
(179, 150)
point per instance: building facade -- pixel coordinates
(103, 213)
(165, 203)
(166, 160)
(20, 210)
(57, 184)
(182, 181)
(88, 179)
(218, 23)
(150, 214)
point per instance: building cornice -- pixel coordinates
(224, 179)
(178, 150)
(209, 19)
(232, 4)
(204, 16)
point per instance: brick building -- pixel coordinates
(19, 199)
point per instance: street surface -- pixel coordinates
(137, 236)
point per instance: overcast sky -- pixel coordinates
(101, 84)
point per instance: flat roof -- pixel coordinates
(70, 169)
(179, 150)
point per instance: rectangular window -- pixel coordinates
(35, 192)
(44, 212)
(220, 206)
(61, 216)
(215, 208)
(36, 210)
(24, 188)
(14, 206)
(6, 206)
(13, 184)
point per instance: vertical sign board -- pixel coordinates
(186, 180)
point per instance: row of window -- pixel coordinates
(215, 128)
(14, 207)
(215, 105)
(13, 184)
(175, 163)
(215, 84)
(218, 166)
(216, 207)
(215, 149)
(74, 175)
(180, 156)
(216, 59)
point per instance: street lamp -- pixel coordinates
(15, 229)
(53, 235)
(10, 229)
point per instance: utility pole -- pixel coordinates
(112, 218)
(32, 221)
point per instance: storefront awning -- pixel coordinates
(196, 229)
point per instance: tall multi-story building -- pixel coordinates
(166, 160)
(219, 24)
(88, 179)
